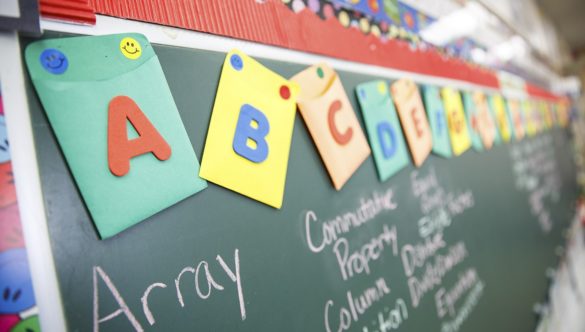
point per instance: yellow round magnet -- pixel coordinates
(382, 88)
(130, 48)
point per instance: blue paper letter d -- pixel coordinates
(252, 125)
(388, 146)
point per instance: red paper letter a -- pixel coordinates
(120, 149)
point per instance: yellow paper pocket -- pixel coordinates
(502, 119)
(250, 132)
(527, 110)
(458, 131)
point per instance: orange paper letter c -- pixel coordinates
(340, 138)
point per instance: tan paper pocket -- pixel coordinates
(413, 118)
(332, 122)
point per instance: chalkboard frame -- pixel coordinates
(37, 238)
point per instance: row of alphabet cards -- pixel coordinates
(111, 109)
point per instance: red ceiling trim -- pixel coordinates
(271, 22)
(536, 91)
(76, 11)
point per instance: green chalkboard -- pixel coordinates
(458, 244)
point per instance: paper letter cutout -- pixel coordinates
(77, 103)
(332, 122)
(438, 121)
(245, 131)
(383, 128)
(485, 122)
(516, 118)
(250, 132)
(501, 117)
(340, 138)
(414, 121)
(473, 122)
(123, 109)
(387, 139)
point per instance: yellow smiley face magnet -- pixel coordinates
(130, 48)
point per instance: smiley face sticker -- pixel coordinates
(54, 61)
(236, 62)
(130, 48)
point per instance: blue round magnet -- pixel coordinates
(54, 61)
(237, 62)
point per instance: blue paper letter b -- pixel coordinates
(245, 130)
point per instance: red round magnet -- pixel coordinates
(284, 92)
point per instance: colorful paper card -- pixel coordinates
(250, 132)
(460, 141)
(485, 122)
(529, 122)
(413, 118)
(516, 118)
(554, 113)
(498, 110)
(536, 116)
(437, 121)
(546, 115)
(383, 128)
(563, 113)
(112, 111)
(332, 122)
(472, 116)
(540, 110)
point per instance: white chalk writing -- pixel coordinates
(203, 283)
(330, 230)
